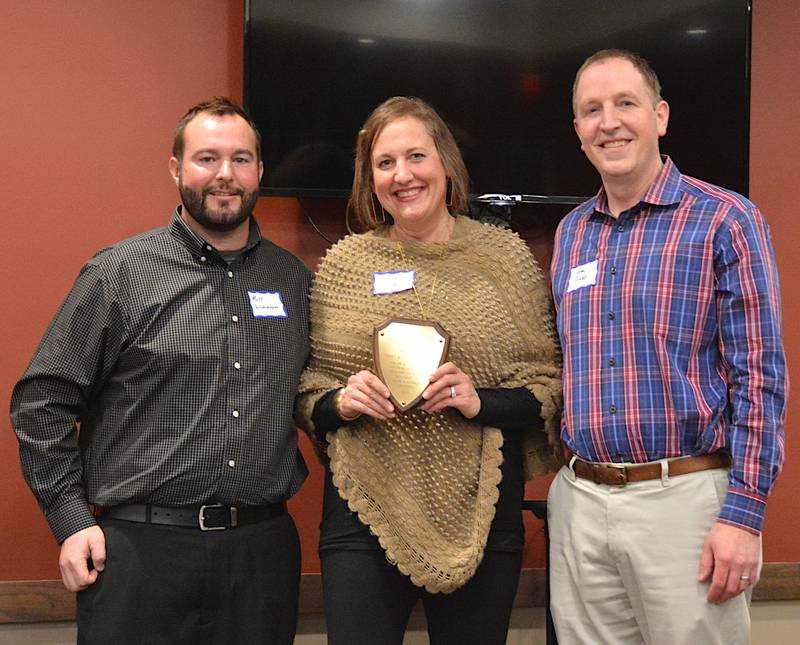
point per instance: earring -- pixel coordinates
(375, 219)
(449, 193)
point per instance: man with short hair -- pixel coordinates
(668, 310)
(178, 352)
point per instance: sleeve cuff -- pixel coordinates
(324, 416)
(744, 509)
(69, 518)
(509, 409)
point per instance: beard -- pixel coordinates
(223, 219)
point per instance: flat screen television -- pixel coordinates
(500, 73)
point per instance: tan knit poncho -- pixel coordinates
(426, 485)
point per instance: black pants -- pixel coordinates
(368, 601)
(165, 585)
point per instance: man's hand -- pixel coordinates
(729, 554)
(75, 553)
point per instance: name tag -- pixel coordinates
(583, 275)
(267, 304)
(392, 282)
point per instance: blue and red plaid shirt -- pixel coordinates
(669, 317)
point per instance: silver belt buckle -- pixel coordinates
(201, 517)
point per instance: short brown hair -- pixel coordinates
(361, 204)
(640, 63)
(218, 106)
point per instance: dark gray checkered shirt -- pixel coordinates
(180, 369)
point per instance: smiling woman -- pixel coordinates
(410, 182)
(435, 489)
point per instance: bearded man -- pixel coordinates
(155, 418)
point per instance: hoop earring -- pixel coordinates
(448, 199)
(375, 219)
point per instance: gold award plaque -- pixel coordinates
(406, 353)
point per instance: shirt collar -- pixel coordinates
(198, 245)
(664, 191)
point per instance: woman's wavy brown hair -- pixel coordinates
(361, 205)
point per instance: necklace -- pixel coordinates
(407, 351)
(422, 310)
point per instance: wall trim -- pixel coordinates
(39, 601)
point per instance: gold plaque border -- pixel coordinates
(411, 321)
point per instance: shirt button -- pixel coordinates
(202, 258)
(236, 413)
(611, 315)
(230, 274)
(235, 318)
(620, 228)
(236, 365)
(613, 409)
(613, 270)
(231, 463)
(207, 247)
(612, 362)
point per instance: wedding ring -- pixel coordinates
(452, 392)
(744, 578)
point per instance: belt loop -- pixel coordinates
(664, 472)
(571, 466)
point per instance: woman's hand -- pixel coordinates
(450, 387)
(366, 394)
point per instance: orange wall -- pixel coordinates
(774, 174)
(91, 94)
(89, 102)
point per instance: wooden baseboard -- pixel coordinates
(779, 581)
(40, 601)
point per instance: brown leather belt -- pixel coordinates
(619, 474)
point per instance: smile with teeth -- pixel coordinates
(615, 144)
(408, 192)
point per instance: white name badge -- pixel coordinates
(583, 275)
(267, 304)
(392, 282)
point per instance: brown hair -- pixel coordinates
(641, 64)
(361, 204)
(218, 106)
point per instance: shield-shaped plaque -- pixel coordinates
(406, 353)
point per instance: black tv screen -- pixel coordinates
(500, 73)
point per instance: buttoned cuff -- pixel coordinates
(69, 518)
(745, 509)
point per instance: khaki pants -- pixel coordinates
(624, 562)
